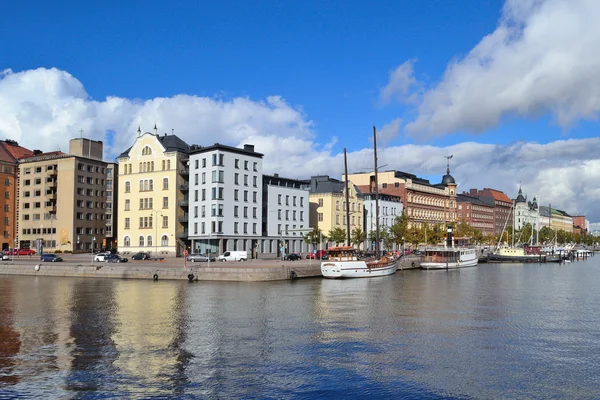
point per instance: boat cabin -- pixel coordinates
(342, 253)
(447, 254)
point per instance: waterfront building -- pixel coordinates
(153, 195)
(422, 201)
(328, 204)
(285, 215)
(580, 222)
(226, 199)
(555, 219)
(62, 198)
(112, 179)
(502, 206)
(477, 212)
(526, 212)
(390, 207)
(10, 154)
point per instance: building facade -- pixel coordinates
(112, 179)
(226, 199)
(422, 201)
(153, 195)
(580, 222)
(477, 212)
(526, 212)
(555, 219)
(10, 154)
(62, 199)
(328, 204)
(390, 207)
(503, 215)
(285, 215)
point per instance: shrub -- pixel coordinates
(58, 251)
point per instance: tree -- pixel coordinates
(337, 235)
(463, 229)
(399, 228)
(358, 237)
(414, 236)
(478, 236)
(314, 236)
(387, 239)
(546, 235)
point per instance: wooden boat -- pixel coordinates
(344, 263)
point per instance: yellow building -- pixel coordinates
(153, 195)
(62, 198)
(328, 204)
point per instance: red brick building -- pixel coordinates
(477, 212)
(502, 206)
(579, 222)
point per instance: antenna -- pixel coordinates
(81, 133)
(448, 163)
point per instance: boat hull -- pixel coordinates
(357, 269)
(449, 265)
(497, 258)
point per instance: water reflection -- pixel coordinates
(488, 332)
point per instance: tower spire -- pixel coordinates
(155, 129)
(139, 131)
(448, 163)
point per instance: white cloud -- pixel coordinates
(44, 108)
(401, 82)
(541, 59)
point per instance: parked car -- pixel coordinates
(114, 258)
(234, 256)
(101, 257)
(292, 257)
(319, 254)
(200, 258)
(50, 257)
(25, 252)
(5, 257)
(141, 256)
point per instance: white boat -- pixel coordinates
(449, 258)
(344, 263)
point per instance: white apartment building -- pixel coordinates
(285, 216)
(225, 199)
(390, 207)
(526, 212)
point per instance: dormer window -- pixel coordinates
(146, 151)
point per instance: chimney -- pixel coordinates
(249, 147)
(37, 152)
(276, 175)
(449, 237)
(473, 192)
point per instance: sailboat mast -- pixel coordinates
(347, 199)
(377, 250)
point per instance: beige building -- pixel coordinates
(328, 204)
(61, 198)
(153, 195)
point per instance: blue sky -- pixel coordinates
(303, 80)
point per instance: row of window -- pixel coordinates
(352, 221)
(147, 166)
(287, 200)
(38, 170)
(83, 167)
(164, 241)
(39, 231)
(219, 160)
(146, 222)
(287, 215)
(80, 192)
(80, 179)
(81, 204)
(219, 177)
(217, 194)
(146, 185)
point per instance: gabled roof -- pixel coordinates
(12, 151)
(169, 142)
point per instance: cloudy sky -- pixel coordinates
(510, 89)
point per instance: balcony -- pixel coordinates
(51, 209)
(183, 203)
(184, 171)
(182, 234)
(184, 219)
(51, 195)
(184, 188)
(52, 184)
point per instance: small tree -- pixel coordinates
(358, 237)
(314, 236)
(399, 228)
(337, 235)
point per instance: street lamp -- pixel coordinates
(14, 251)
(93, 242)
(156, 212)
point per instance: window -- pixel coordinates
(235, 226)
(126, 241)
(245, 180)
(126, 223)
(320, 217)
(254, 195)
(246, 165)
(235, 211)
(203, 212)
(245, 212)
(254, 228)
(294, 201)
(214, 159)
(204, 163)
(254, 181)
(164, 240)
(204, 177)
(236, 194)
(236, 178)
(245, 195)
(127, 205)
(302, 216)
(279, 214)
(287, 215)
(220, 210)
(237, 163)
(7, 182)
(253, 212)
(165, 183)
(245, 227)
(255, 167)
(149, 240)
(6, 207)
(320, 202)
(165, 202)
(203, 195)
(141, 241)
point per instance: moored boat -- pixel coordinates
(343, 262)
(449, 258)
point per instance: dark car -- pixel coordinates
(141, 256)
(292, 257)
(48, 257)
(114, 258)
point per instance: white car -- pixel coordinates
(100, 257)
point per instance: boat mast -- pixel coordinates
(347, 200)
(377, 250)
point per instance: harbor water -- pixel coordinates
(492, 331)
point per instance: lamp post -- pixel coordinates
(156, 212)
(93, 242)
(13, 252)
